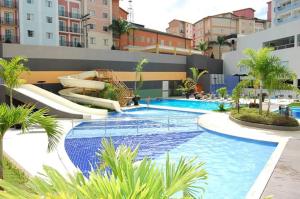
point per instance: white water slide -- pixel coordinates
(59, 103)
(76, 83)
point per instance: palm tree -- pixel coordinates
(221, 41)
(118, 177)
(119, 27)
(265, 68)
(196, 74)
(24, 115)
(138, 75)
(10, 72)
(202, 46)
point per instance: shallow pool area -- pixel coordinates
(190, 104)
(233, 163)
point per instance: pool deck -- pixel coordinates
(285, 180)
(29, 151)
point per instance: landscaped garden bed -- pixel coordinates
(252, 115)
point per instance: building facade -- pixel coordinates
(285, 39)
(181, 28)
(285, 11)
(39, 22)
(70, 30)
(100, 14)
(9, 26)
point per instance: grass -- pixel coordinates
(294, 104)
(252, 115)
(13, 175)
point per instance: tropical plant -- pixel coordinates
(10, 72)
(187, 87)
(196, 74)
(221, 41)
(202, 46)
(109, 92)
(265, 68)
(119, 27)
(237, 94)
(138, 84)
(24, 115)
(222, 92)
(118, 177)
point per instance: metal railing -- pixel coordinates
(71, 44)
(135, 126)
(72, 15)
(8, 21)
(9, 39)
(70, 29)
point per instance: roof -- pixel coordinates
(244, 9)
(179, 21)
(140, 27)
(123, 10)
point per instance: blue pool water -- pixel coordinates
(233, 163)
(296, 112)
(192, 104)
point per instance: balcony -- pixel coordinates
(9, 39)
(287, 19)
(8, 21)
(287, 7)
(71, 44)
(70, 29)
(8, 4)
(72, 15)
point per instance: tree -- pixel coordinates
(138, 84)
(196, 74)
(202, 46)
(119, 27)
(237, 93)
(187, 87)
(221, 41)
(118, 177)
(265, 68)
(10, 72)
(222, 92)
(24, 115)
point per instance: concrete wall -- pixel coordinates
(214, 66)
(289, 56)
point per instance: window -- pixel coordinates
(62, 40)
(8, 36)
(105, 42)
(75, 13)
(76, 42)
(92, 26)
(62, 26)
(8, 18)
(105, 2)
(92, 40)
(49, 19)
(287, 42)
(92, 12)
(30, 33)
(30, 1)
(49, 35)
(61, 10)
(298, 39)
(49, 3)
(29, 16)
(105, 15)
(75, 28)
(92, 1)
(105, 28)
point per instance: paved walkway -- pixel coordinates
(285, 180)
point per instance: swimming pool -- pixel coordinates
(296, 112)
(233, 163)
(192, 104)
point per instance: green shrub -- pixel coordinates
(109, 92)
(252, 115)
(222, 107)
(222, 92)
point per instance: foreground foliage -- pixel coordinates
(118, 177)
(252, 115)
(26, 117)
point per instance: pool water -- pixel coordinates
(296, 112)
(232, 163)
(192, 104)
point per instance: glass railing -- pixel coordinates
(293, 5)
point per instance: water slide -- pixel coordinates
(57, 105)
(75, 84)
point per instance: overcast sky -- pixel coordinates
(157, 13)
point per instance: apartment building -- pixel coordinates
(285, 11)
(181, 28)
(70, 34)
(100, 18)
(38, 22)
(9, 26)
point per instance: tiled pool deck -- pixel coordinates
(285, 180)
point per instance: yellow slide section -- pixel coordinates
(75, 83)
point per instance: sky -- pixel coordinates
(157, 14)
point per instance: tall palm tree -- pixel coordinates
(10, 72)
(119, 27)
(24, 115)
(266, 69)
(221, 41)
(202, 46)
(138, 84)
(118, 177)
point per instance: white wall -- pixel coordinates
(256, 40)
(39, 23)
